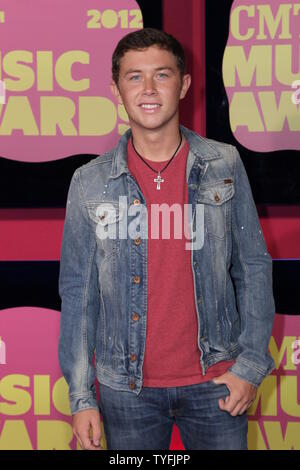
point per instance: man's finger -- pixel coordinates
(223, 403)
(247, 406)
(243, 409)
(85, 438)
(237, 409)
(96, 432)
(86, 443)
(230, 403)
(78, 439)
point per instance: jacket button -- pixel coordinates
(137, 241)
(136, 279)
(132, 385)
(135, 316)
(102, 216)
(136, 202)
(217, 197)
(133, 357)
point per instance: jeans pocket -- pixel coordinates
(221, 388)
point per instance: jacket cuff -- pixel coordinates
(80, 402)
(250, 371)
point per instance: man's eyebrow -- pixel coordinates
(167, 67)
(132, 71)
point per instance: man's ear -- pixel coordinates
(115, 91)
(186, 82)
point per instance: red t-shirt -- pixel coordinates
(172, 355)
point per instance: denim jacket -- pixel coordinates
(103, 281)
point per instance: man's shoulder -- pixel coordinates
(95, 172)
(218, 145)
(210, 147)
(98, 166)
(99, 160)
(200, 141)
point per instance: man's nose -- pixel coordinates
(149, 86)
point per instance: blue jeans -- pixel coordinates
(145, 421)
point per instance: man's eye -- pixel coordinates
(134, 77)
(161, 74)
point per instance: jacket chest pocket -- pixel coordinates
(216, 198)
(105, 217)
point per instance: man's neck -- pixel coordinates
(157, 145)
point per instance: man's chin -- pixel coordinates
(149, 124)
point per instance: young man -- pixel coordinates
(181, 328)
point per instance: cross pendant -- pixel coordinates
(158, 180)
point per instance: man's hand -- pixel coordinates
(242, 394)
(82, 423)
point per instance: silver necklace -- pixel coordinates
(158, 179)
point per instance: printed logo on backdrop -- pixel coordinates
(274, 418)
(55, 59)
(34, 405)
(261, 73)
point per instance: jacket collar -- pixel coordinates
(200, 149)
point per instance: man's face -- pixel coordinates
(150, 87)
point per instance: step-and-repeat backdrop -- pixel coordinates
(253, 97)
(57, 112)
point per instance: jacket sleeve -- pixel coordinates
(79, 292)
(251, 273)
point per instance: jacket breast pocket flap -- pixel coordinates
(216, 193)
(105, 213)
(216, 198)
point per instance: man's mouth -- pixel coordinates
(150, 106)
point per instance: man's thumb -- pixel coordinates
(218, 381)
